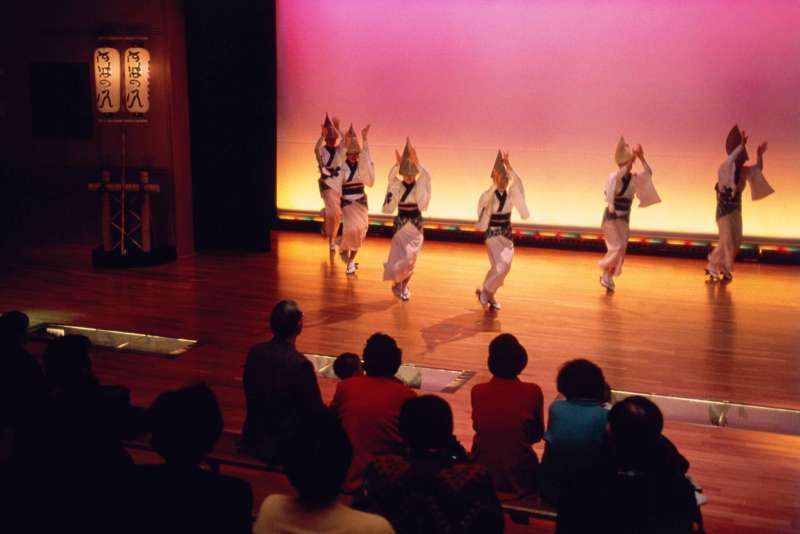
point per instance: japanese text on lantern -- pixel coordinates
(137, 80)
(107, 79)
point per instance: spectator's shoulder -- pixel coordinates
(259, 349)
(389, 466)
(462, 476)
(479, 389)
(406, 390)
(234, 484)
(370, 523)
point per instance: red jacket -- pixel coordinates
(369, 409)
(508, 418)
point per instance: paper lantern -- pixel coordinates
(137, 80)
(107, 68)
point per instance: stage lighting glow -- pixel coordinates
(555, 83)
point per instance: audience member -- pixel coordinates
(369, 406)
(347, 365)
(22, 389)
(575, 428)
(431, 488)
(87, 420)
(507, 415)
(280, 386)
(79, 467)
(639, 484)
(180, 496)
(316, 466)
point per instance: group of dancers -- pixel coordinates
(346, 169)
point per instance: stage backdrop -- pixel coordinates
(555, 83)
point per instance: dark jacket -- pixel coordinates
(645, 491)
(190, 499)
(280, 389)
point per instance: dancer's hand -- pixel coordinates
(744, 138)
(505, 159)
(638, 152)
(762, 148)
(365, 131)
(397, 157)
(324, 131)
(336, 122)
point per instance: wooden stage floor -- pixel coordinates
(664, 331)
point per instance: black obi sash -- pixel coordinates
(729, 199)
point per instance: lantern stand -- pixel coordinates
(127, 251)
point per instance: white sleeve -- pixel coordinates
(318, 152)
(727, 171)
(484, 208)
(644, 189)
(611, 190)
(339, 156)
(517, 194)
(392, 192)
(366, 173)
(759, 187)
(423, 188)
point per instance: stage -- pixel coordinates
(664, 331)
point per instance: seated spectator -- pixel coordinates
(347, 365)
(79, 466)
(431, 488)
(22, 389)
(179, 496)
(89, 420)
(316, 466)
(369, 406)
(639, 484)
(280, 386)
(575, 428)
(507, 418)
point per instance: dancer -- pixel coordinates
(621, 187)
(494, 217)
(325, 152)
(733, 176)
(410, 196)
(355, 173)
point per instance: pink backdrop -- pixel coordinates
(555, 83)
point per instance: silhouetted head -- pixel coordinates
(67, 365)
(507, 357)
(318, 459)
(286, 320)
(382, 357)
(185, 424)
(635, 423)
(13, 329)
(347, 365)
(426, 423)
(581, 379)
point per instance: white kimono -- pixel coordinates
(494, 217)
(350, 183)
(729, 209)
(619, 195)
(332, 212)
(407, 240)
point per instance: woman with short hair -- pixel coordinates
(575, 427)
(507, 415)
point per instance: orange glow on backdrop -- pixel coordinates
(555, 83)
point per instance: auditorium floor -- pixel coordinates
(664, 331)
